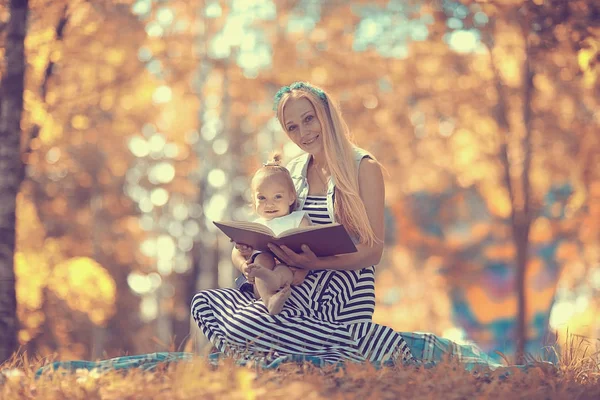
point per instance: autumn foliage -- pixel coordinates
(142, 121)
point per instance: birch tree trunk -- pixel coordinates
(11, 169)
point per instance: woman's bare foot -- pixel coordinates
(270, 278)
(276, 302)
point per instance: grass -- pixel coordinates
(578, 377)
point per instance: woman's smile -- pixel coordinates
(307, 142)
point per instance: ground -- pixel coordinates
(580, 379)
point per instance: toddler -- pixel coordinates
(274, 201)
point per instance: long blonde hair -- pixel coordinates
(349, 209)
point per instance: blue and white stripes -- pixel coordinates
(329, 315)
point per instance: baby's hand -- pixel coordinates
(244, 250)
(246, 271)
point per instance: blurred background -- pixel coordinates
(144, 119)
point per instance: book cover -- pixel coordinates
(323, 240)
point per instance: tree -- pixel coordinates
(536, 24)
(11, 108)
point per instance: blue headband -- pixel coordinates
(298, 86)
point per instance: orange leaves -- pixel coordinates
(115, 56)
(496, 198)
(588, 58)
(80, 122)
(490, 309)
(541, 231)
(199, 379)
(430, 65)
(544, 85)
(510, 69)
(32, 272)
(319, 75)
(86, 286)
(568, 251)
(382, 117)
(464, 148)
(431, 117)
(500, 252)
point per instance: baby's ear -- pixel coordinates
(293, 198)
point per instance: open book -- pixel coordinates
(323, 240)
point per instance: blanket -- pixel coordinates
(428, 350)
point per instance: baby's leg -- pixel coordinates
(269, 279)
(262, 289)
(285, 273)
(275, 302)
(273, 299)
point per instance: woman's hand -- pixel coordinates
(305, 260)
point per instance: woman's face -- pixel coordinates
(302, 125)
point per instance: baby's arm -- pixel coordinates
(245, 251)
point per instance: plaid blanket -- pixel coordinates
(430, 349)
(143, 361)
(427, 350)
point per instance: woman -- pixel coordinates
(329, 315)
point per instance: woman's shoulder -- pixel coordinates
(369, 170)
(360, 153)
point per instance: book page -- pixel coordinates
(250, 226)
(305, 228)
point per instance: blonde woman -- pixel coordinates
(328, 315)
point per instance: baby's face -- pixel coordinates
(272, 197)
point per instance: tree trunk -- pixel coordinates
(522, 225)
(11, 108)
(519, 192)
(521, 240)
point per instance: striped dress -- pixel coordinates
(329, 316)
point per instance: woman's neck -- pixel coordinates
(319, 161)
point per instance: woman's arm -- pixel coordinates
(372, 193)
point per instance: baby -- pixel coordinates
(274, 201)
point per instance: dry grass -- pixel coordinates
(577, 378)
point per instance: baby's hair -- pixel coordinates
(273, 167)
(274, 160)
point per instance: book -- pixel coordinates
(323, 240)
